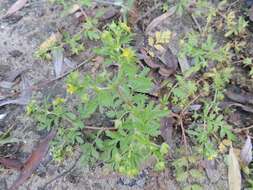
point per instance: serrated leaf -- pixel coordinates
(246, 152)
(105, 98)
(196, 187)
(234, 173)
(196, 174)
(71, 115)
(182, 177)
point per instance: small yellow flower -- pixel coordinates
(58, 101)
(30, 108)
(125, 27)
(128, 53)
(85, 98)
(212, 156)
(71, 88)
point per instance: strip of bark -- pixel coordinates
(33, 161)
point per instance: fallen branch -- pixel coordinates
(100, 128)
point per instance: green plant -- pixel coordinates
(90, 30)
(211, 122)
(203, 50)
(121, 98)
(73, 42)
(235, 27)
(181, 6)
(185, 171)
(248, 62)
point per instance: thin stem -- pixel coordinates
(243, 129)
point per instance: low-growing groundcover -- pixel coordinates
(121, 91)
(121, 97)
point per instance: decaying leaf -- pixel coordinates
(25, 96)
(19, 4)
(233, 104)
(240, 98)
(148, 60)
(246, 152)
(11, 163)
(13, 75)
(10, 77)
(58, 61)
(234, 173)
(160, 19)
(169, 60)
(33, 161)
(183, 63)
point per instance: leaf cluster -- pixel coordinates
(118, 92)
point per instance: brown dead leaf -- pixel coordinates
(33, 161)
(25, 95)
(233, 104)
(148, 60)
(184, 64)
(169, 60)
(19, 4)
(160, 19)
(165, 72)
(241, 98)
(10, 77)
(11, 163)
(234, 173)
(109, 13)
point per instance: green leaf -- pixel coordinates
(94, 153)
(164, 149)
(105, 98)
(71, 116)
(99, 144)
(182, 177)
(90, 108)
(196, 187)
(79, 140)
(196, 174)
